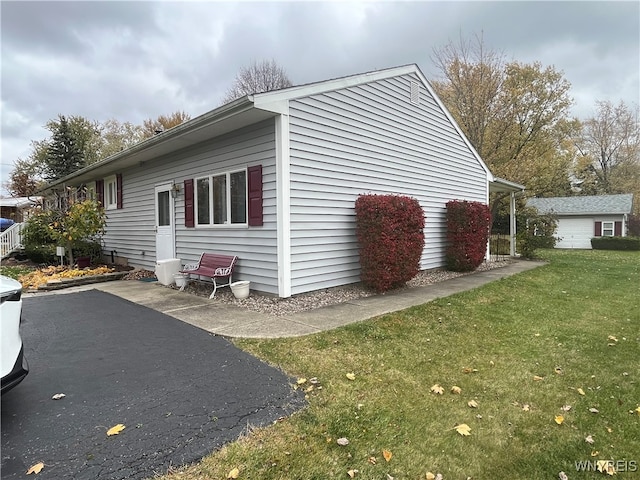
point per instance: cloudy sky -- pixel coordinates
(133, 60)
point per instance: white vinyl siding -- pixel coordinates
(370, 139)
(131, 231)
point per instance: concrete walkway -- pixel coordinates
(232, 321)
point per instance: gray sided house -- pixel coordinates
(273, 178)
(584, 217)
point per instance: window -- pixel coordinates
(110, 193)
(607, 229)
(222, 199)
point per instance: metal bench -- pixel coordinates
(213, 266)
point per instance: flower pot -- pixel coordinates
(240, 289)
(180, 279)
(83, 262)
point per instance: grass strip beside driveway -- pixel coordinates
(547, 363)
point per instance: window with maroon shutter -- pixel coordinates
(189, 220)
(255, 195)
(100, 192)
(119, 190)
(618, 229)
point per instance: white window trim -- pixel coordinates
(612, 228)
(110, 205)
(228, 223)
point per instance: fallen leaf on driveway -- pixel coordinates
(115, 430)
(35, 468)
(58, 396)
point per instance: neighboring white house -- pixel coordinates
(273, 178)
(581, 218)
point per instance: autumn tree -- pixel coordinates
(609, 147)
(258, 77)
(151, 127)
(516, 115)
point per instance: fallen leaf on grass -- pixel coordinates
(455, 389)
(472, 404)
(606, 466)
(300, 381)
(470, 370)
(387, 455)
(35, 468)
(581, 391)
(233, 473)
(595, 453)
(437, 389)
(537, 378)
(463, 429)
(58, 396)
(559, 419)
(566, 408)
(343, 442)
(562, 476)
(637, 410)
(115, 430)
(431, 476)
(558, 370)
(612, 338)
(351, 376)
(589, 439)
(352, 473)
(372, 460)
(526, 407)
(594, 410)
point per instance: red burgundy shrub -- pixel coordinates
(467, 232)
(390, 234)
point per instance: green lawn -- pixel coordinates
(574, 323)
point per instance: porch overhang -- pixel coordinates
(500, 185)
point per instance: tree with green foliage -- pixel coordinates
(64, 155)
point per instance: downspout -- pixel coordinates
(283, 199)
(512, 224)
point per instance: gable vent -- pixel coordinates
(415, 93)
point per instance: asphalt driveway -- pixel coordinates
(180, 391)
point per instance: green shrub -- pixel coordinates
(538, 232)
(615, 243)
(41, 253)
(88, 248)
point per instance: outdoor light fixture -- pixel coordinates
(175, 189)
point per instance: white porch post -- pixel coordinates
(512, 224)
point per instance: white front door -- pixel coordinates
(165, 243)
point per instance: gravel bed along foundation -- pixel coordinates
(272, 305)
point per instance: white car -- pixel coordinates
(13, 364)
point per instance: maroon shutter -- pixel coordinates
(618, 229)
(598, 229)
(100, 192)
(119, 190)
(255, 195)
(189, 219)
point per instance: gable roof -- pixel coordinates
(239, 113)
(584, 205)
